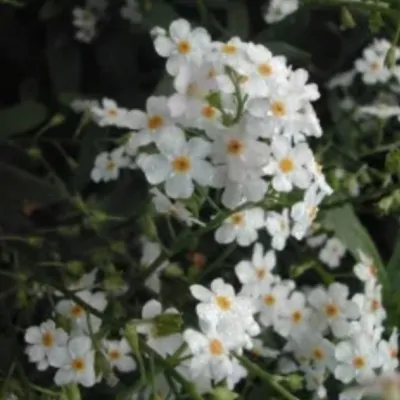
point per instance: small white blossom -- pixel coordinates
(278, 226)
(332, 253)
(118, 354)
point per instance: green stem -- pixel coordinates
(265, 377)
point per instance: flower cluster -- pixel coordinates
(238, 122)
(72, 352)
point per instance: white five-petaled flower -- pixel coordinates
(118, 354)
(289, 165)
(389, 352)
(83, 321)
(76, 363)
(255, 274)
(241, 226)
(183, 45)
(107, 165)
(278, 226)
(332, 253)
(365, 269)
(357, 359)
(109, 114)
(42, 340)
(304, 212)
(178, 164)
(333, 309)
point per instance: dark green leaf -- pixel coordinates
(20, 186)
(348, 228)
(284, 49)
(393, 267)
(238, 19)
(64, 60)
(50, 9)
(23, 117)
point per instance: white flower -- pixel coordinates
(178, 164)
(109, 114)
(210, 352)
(370, 302)
(333, 309)
(241, 226)
(183, 45)
(273, 298)
(150, 252)
(118, 353)
(289, 165)
(332, 253)
(76, 363)
(365, 270)
(83, 105)
(372, 67)
(231, 313)
(278, 226)
(177, 209)
(85, 22)
(81, 319)
(382, 111)
(131, 11)
(107, 165)
(294, 316)
(357, 360)
(152, 126)
(389, 351)
(41, 342)
(368, 326)
(279, 9)
(317, 240)
(258, 272)
(304, 213)
(157, 340)
(344, 79)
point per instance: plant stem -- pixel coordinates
(265, 377)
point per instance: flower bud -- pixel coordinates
(132, 337)
(167, 324)
(346, 18)
(57, 119)
(223, 393)
(390, 58)
(72, 392)
(34, 152)
(75, 267)
(295, 382)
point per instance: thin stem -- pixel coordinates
(265, 377)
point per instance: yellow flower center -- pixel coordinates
(78, 364)
(312, 212)
(286, 165)
(208, 112)
(229, 49)
(224, 303)
(216, 347)
(112, 112)
(114, 355)
(374, 66)
(48, 339)
(155, 122)
(110, 166)
(193, 90)
(181, 164)
(264, 70)
(297, 317)
(375, 305)
(235, 147)
(77, 311)
(358, 362)
(184, 47)
(331, 310)
(269, 299)
(237, 219)
(260, 273)
(318, 354)
(278, 109)
(212, 73)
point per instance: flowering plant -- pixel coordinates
(213, 247)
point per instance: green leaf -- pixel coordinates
(393, 267)
(348, 228)
(23, 117)
(238, 19)
(64, 59)
(50, 9)
(23, 186)
(284, 49)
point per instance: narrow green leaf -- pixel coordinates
(20, 118)
(284, 49)
(393, 267)
(238, 19)
(348, 228)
